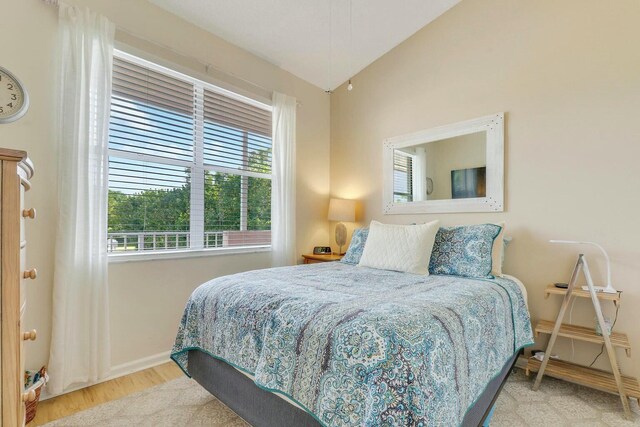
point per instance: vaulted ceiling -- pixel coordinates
(297, 36)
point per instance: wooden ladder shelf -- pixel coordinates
(583, 375)
(611, 382)
(583, 334)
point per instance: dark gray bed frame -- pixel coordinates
(261, 408)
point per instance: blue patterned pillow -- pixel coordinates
(354, 253)
(464, 251)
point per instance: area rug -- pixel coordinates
(183, 402)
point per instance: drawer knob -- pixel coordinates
(29, 396)
(30, 274)
(29, 213)
(30, 335)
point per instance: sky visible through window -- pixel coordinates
(163, 133)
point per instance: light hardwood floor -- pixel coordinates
(70, 403)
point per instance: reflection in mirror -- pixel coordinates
(451, 168)
(457, 167)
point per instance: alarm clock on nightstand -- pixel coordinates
(322, 250)
(14, 100)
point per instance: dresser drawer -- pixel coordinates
(22, 219)
(23, 282)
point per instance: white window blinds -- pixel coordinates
(151, 113)
(189, 164)
(236, 136)
(237, 159)
(402, 177)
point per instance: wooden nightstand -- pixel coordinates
(312, 258)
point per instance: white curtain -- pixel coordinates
(80, 350)
(419, 179)
(283, 184)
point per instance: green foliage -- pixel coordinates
(221, 202)
(150, 210)
(168, 210)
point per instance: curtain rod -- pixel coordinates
(206, 66)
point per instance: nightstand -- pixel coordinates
(313, 258)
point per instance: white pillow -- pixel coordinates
(404, 248)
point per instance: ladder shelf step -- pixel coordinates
(580, 293)
(583, 375)
(583, 334)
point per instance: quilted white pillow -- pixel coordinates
(404, 248)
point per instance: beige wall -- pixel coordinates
(147, 298)
(567, 74)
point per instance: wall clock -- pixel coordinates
(14, 100)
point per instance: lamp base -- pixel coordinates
(341, 235)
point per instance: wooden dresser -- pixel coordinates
(15, 171)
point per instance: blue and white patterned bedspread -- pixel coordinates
(357, 346)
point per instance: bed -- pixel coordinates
(339, 345)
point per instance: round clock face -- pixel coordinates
(14, 100)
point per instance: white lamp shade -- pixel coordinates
(342, 210)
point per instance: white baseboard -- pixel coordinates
(138, 365)
(118, 371)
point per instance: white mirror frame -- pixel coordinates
(493, 125)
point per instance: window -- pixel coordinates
(402, 177)
(189, 163)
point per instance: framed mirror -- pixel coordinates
(452, 168)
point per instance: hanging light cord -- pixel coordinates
(350, 40)
(330, 46)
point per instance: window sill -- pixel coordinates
(187, 253)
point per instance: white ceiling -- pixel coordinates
(294, 34)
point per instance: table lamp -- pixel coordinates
(342, 210)
(609, 289)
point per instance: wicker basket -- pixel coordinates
(32, 406)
